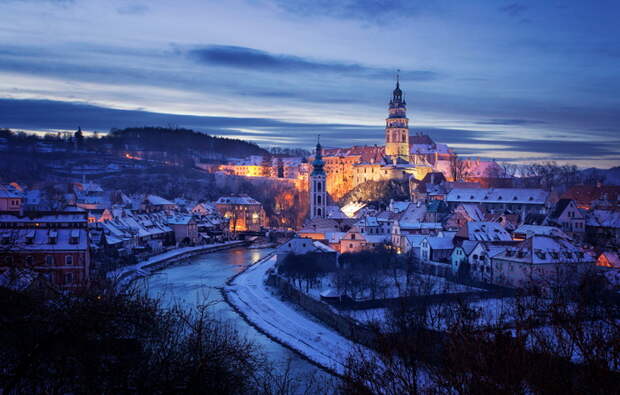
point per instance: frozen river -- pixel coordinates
(195, 281)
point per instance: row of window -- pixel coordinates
(49, 260)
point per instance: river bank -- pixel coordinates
(199, 280)
(286, 323)
(125, 275)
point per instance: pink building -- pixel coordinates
(56, 245)
(11, 198)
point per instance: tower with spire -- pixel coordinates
(397, 126)
(318, 193)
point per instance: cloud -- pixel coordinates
(510, 122)
(513, 9)
(374, 11)
(133, 9)
(258, 60)
(49, 115)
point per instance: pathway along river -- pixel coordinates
(196, 281)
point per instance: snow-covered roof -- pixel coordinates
(322, 247)
(158, 201)
(498, 195)
(541, 230)
(545, 250)
(302, 245)
(469, 245)
(412, 216)
(399, 206)
(334, 237)
(54, 218)
(46, 239)
(473, 211)
(9, 191)
(440, 243)
(604, 218)
(415, 240)
(351, 209)
(335, 212)
(179, 219)
(484, 231)
(243, 200)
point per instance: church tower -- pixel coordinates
(318, 193)
(397, 126)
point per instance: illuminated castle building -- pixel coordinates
(401, 157)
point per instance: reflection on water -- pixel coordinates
(197, 281)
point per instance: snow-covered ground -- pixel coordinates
(287, 323)
(388, 286)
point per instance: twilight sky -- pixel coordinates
(519, 81)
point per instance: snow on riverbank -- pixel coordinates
(285, 322)
(126, 274)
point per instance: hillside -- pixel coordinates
(377, 192)
(177, 141)
(606, 176)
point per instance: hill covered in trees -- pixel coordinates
(177, 141)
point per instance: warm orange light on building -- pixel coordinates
(132, 157)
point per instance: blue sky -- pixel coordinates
(518, 81)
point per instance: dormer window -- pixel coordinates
(75, 236)
(30, 237)
(499, 198)
(514, 198)
(52, 237)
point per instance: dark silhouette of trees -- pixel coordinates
(565, 343)
(306, 269)
(108, 342)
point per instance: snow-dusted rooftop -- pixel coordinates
(498, 195)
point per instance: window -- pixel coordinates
(29, 260)
(69, 278)
(68, 260)
(49, 260)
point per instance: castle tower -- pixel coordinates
(397, 126)
(318, 193)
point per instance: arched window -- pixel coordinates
(318, 212)
(318, 199)
(318, 187)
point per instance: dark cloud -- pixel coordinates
(47, 115)
(257, 60)
(508, 122)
